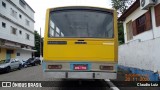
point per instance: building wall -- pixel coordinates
(147, 35)
(14, 54)
(18, 21)
(3, 53)
(6, 33)
(143, 50)
(142, 55)
(24, 55)
(7, 12)
(27, 9)
(156, 29)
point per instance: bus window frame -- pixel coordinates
(102, 10)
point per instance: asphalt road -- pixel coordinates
(35, 74)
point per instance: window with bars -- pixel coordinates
(18, 54)
(22, 3)
(20, 32)
(13, 13)
(20, 16)
(3, 25)
(27, 36)
(142, 24)
(13, 30)
(27, 22)
(4, 4)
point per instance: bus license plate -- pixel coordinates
(81, 67)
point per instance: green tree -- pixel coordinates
(120, 33)
(42, 40)
(121, 6)
(37, 44)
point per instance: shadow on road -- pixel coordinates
(77, 84)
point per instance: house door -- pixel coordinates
(8, 55)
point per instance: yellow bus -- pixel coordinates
(80, 42)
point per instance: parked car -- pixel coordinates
(10, 64)
(22, 62)
(38, 60)
(33, 61)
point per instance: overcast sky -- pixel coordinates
(40, 6)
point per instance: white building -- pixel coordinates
(16, 29)
(141, 52)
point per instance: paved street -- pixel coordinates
(27, 74)
(35, 74)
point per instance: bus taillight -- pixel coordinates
(102, 67)
(54, 66)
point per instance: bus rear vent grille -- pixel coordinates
(58, 42)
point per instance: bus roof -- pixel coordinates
(81, 7)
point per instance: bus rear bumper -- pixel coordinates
(80, 75)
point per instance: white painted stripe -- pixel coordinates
(112, 86)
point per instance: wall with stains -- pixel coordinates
(142, 55)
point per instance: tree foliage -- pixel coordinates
(37, 43)
(121, 5)
(120, 33)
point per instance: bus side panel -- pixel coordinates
(115, 37)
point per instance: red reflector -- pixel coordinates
(106, 67)
(54, 66)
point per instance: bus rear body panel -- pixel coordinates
(91, 51)
(79, 46)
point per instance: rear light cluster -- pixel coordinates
(54, 66)
(102, 67)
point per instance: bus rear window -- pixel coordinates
(81, 24)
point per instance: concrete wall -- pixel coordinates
(5, 33)
(27, 8)
(147, 35)
(2, 54)
(24, 55)
(7, 12)
(156, 30)
(142, 55)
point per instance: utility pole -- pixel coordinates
(40, 45)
